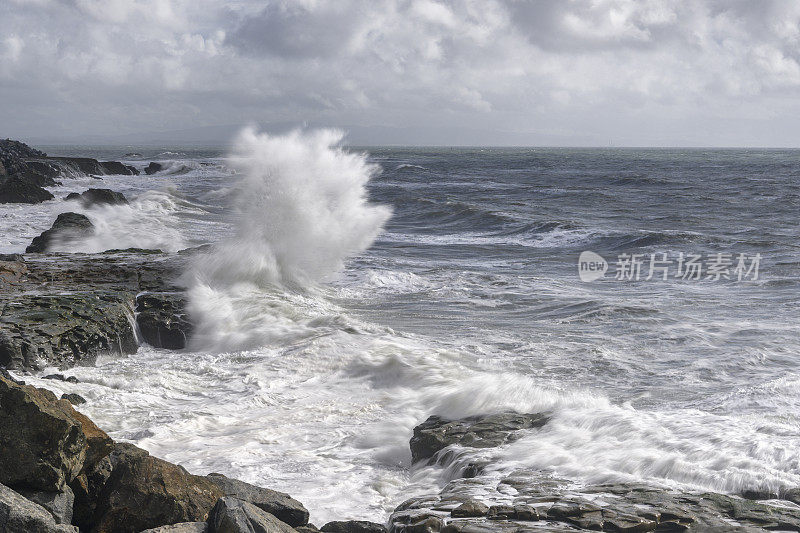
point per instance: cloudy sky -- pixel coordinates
(536, 72)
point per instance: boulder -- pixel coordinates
(44, 442)
(115, 167)
(162, 319)
(144, 492)
(282, 506)
(470, 509)
(353, 526)
(486, 431)
(153, 167)
(67, 226)
(20, 515)
(58, 504)
(231, 515)
(185, 527)
(64, 329)
(74, 399)
(98, 196)
(17, 190)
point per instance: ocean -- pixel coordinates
(354, 292)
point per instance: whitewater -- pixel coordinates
(347, 294)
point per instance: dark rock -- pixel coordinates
(115, 167)
(77, 166)
(500, 512)
(470, 509)
(41, 173)
(152, 168)
(67, 226)
(144, 492)
(185, 527)
(63, 330)
(44, 442)
(353, 526)
(74, 399)
(163, 320)
(98, 196)
(139, 251)
(61, 377)
(759, 494)
(487, 431)
(12, 270)
(17, 190)
(20, 515)
(231, 515)
(309, 528)
(415, 521)
(58, 504)
(282, 506)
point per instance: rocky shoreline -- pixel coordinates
(59, 472)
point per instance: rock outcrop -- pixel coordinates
(117, 168)
(231, 515)
(487, 431)
(153, 167)
(20, 515)
(17, 190)
(282, 506)
(98, 196)
(67, 226)
(163, 321)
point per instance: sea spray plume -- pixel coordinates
(300, 212)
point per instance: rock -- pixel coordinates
(470, 509)
(488, 431)
(67, 226)
(20, 515)
(77, 166)
(17, 190)
(115, 167)
(152, 168)
(163, 320)
(61, 377)
(185, 527)
(41, 173)
(144, 492)
(58, 504)
(63, 330)
(42, 443)
(231, 515)
(310, 528)
(74, 399)
(353, 526)
(414, 521)
(97, 197)
(12, 270)
(282, 506)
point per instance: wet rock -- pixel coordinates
(42, 444)
(308, 528)
(20, 515)
(64, 330)
(470, 509)
(61, 377)
(353, 526)
(17, 190)
(74, 399)
(98, 197)
(77, 166)
(67, 226)
(41, 173)
(488, 431)
(153, 167)
(185, 527)
(58, 504)
(144, 492)
(282, 506)
(115, 167)
(231, 515)
(163, 320)
(12, 271)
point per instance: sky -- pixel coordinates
(414, 72)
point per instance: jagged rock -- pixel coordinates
(353, 526)
(20, 515)
(44, 442)
(282, 506)
(231, 515)
(74, 399)
(144, 492)
(61, 377)
(487, 431)
(58, 504)
(470, 509)
(414, 521)
(17, 190)
(152, 168)
(115, 167)
(98, 196)
(63, 330)
(185, 527)
(163, 320)
(67, 226)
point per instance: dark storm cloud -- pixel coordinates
(539, 71)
